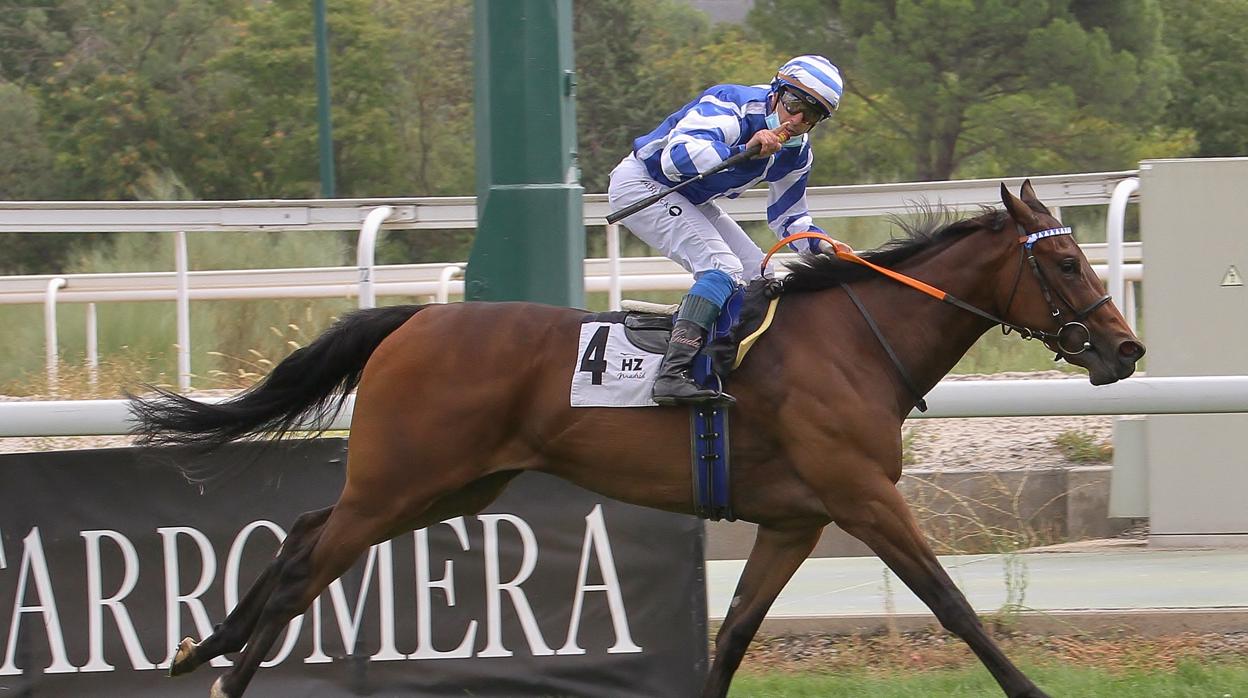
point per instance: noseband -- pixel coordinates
(1068, 333)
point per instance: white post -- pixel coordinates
(93, 349)
(183, 303)
(444, 281)
(365, 253)
(613, 266)
(1128, 300)
(50, 353)
(1114, 224)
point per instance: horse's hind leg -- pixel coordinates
(881, 519)
(773, 560)
(231, 635)
(353, 526)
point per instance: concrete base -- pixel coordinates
(1198, 540)
(972, 511)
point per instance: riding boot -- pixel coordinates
(675, 384)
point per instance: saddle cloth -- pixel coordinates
(619, 354)
(618, 357)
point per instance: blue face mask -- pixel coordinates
(773, 123)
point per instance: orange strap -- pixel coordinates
(851, 257)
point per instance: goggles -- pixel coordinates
(798, 103)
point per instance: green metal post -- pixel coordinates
(325, 125)
(530, 241)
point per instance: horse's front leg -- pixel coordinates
(879, 517)
(776, 555)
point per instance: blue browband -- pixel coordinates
(1035, 237)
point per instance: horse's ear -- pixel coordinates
(1019, 211)
(1029, 197)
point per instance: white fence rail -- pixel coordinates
(1086, 189)
(960, 398)
(634, 274)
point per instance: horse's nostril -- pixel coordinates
(1132, 351)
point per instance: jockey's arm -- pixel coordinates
(700, 141)
(787, 215)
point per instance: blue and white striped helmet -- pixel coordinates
(814, 76)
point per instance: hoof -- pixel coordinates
(181, 658)
(217, 691)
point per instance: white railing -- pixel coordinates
(461, 212)
(438, 279)
(961, 398)
(612, 275)
(620, 274)
(1123, 295)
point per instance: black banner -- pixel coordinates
(108, 558)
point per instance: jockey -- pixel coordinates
(690, 228)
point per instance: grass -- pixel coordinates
(1081, 447)
(909, 442)
(999, 519)
(142, 335)
(1191, 679)
(935, 663)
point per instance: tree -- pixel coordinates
(638, 61)
(609, 102)
(264, 132)
(429, 76)
(974, 85)
(25, 160)
(117, 100)
(25, 174)
(1211, 43)
(34, 35)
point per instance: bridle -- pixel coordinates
(1060, 341)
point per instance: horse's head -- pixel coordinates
(1058, 296)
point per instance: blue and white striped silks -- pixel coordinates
(714, 127)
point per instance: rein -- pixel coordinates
(1027, 242)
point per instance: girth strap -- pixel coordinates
(919, 403)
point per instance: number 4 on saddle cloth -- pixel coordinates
(618, 360)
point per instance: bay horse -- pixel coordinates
(455, 400)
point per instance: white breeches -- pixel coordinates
(697, 237)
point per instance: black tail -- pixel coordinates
(306, 390)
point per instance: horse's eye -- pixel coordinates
(1068, 265)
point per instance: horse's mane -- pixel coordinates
(930, 227)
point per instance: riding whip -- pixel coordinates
(617, 216)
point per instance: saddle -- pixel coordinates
(649, 331)
(648, 326)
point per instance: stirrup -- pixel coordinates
(705, 396)
(722, 398)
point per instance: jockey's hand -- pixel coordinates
(769, 141)
(772, 287)
(831, 248)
